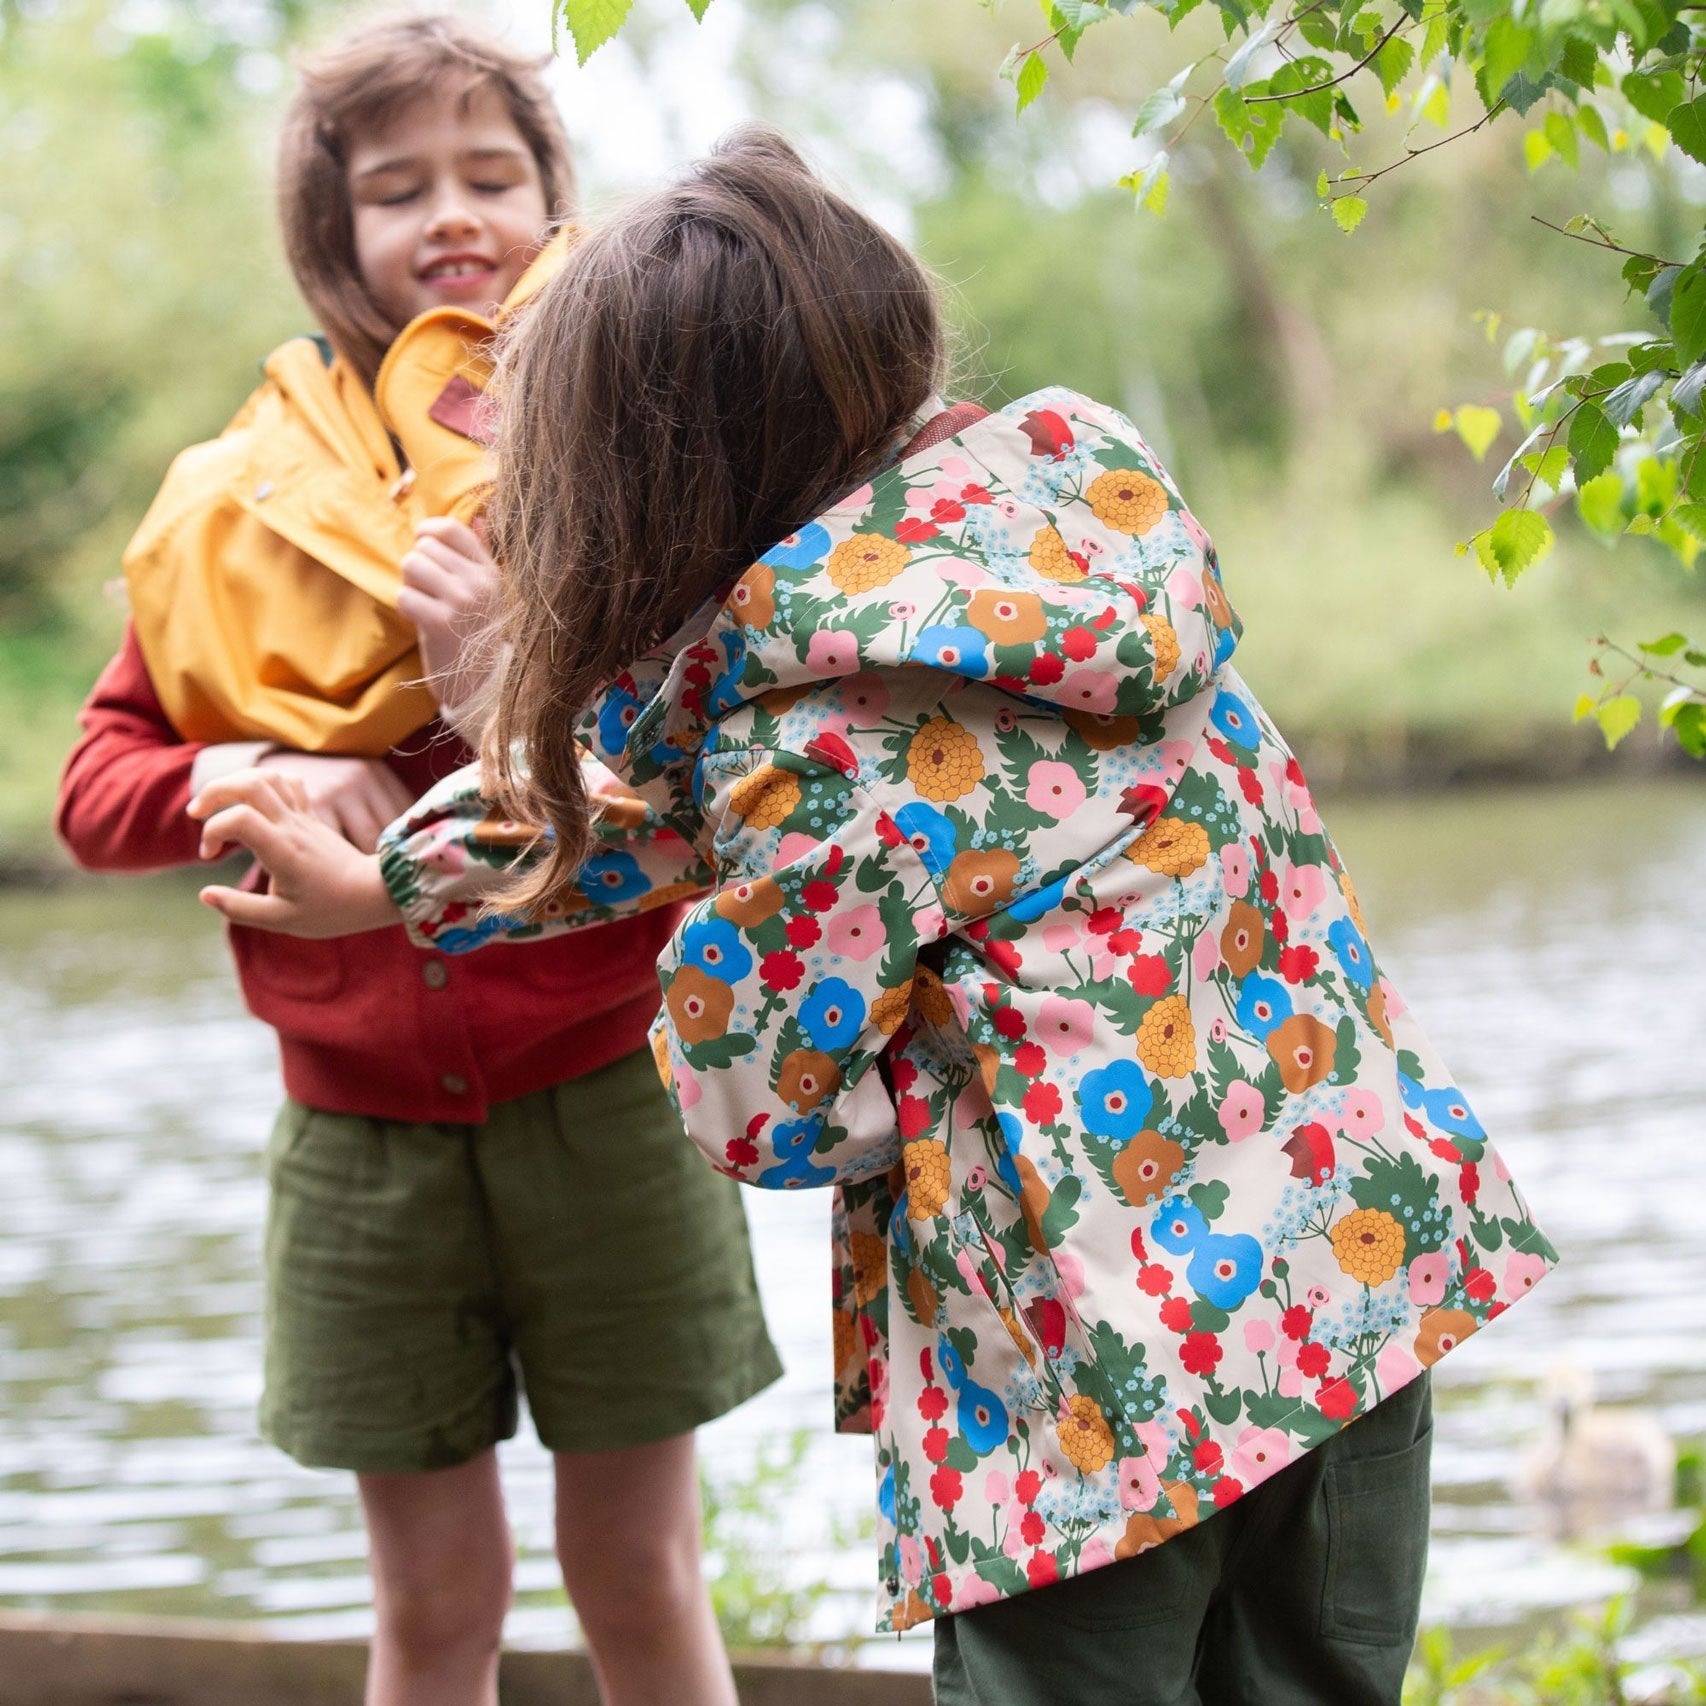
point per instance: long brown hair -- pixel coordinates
(712, 367)
(359, 81)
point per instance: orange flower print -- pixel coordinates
(1303, 1050)
(699, 1005)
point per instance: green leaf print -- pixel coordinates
(1346, 1056)
(957, 1540)
(1224, 1407)
(1401, 1189)
(1209, 1317)
(963, 1458)
(1062, 1210)
(1210, 1198)
(1003, 1574)
(719, 1051)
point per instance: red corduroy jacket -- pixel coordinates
(367, 1024)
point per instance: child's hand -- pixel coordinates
(450, 593)
(355, 796)
(320, 885)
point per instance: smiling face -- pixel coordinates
(447, 205)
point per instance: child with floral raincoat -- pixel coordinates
(1022, 933)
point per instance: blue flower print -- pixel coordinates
(963, 650)
(930, 834)
(608, 879)
(1263, 1005)
(1448, 1109)
(948, 1360)
(793, 1141)
(1353, 953)
(715, 947)
(1178, 1226)
(464, 938)
(1225, 1268)
(1115, 1100)
(799, 550)
(982, 1418)
(1225, 643)
(1028, 908)
(833, 1014)
(724, 693)
(1006, 1164)
(615, 717)
(1235, 720)
(885, 1496)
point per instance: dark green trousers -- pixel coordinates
(1303, 1593)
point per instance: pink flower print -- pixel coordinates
(1184, 588)
(1062, 938)
(1318, 1297)
(1285, 1350)
(796, 844)
(1308, 819)
(1258, 1337)
(1290, 1383)
(688, 1089)
(1009, 509)
(1094, 1555)
(1093, 690)
(1395, 1367)
(967, 1265)
(1205, 956)
(1065, 1026)
(920, 498)
(1176, 756)
(1364, 1114)
(864, 697)
(1012, 1538)
(1259, 1453)
(967, 576)
(1428, 1275)
(955, 469)
(1243, 1112)
(1054, 789)
(976, 1179)
(1194, 532)
(929, 923)
(1071, 1272)
(857, 933)
(973, 1591)
(833, 651)
(1302, 889)
(996, 1488)
(1104, 964)
(1091, 547)
(911, 1560)
(903, 610)
(1523, 1272)
(854, 502)
(1395, 1007)
(1235, 868)
(1140, 1485)
(1500, 1171)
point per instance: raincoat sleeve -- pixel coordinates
(784, 989)
(451, 851)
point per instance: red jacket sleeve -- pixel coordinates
(127, 781)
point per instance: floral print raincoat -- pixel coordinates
(1024, 935)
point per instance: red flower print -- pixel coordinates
(888, 831)
(1032, 1528)
(1279, 926)
(781, 970)
(1446, 1150)
(1149, 974)
(1225, 1491)
(832, 750)
(1154, 1280)
(1270, 885)
(1221, 750)
(932, 1403)
(1042, 1104)
(941, 1590)
(936, 1444)
(1041, 1569)
(924, 1364)
(1137, 1245)
(912, 1114)
(1029, 1059)
(1125, 941)
(1294, 773)
(803, 930)
(903, 1074)
(1297, 964)
(1208, 1457)
(1143, 802)
(975, 495)
(1046, 669)
(742, 1152)
(915, 530)
(1176, 1315)
(1009, 1023)
(1337, 1399)
(1249, 786)
(1201, 1353)
(1312, 1359)
(1078, 643)
(1026, 1485)
(1480, 1285)
(1105, 920)
(1049, 434)
(1297, 1321)
(819, 896)
(946, 1487)
(933, 1552)
(1469, 1183)
(944, 510)
(1006, 956)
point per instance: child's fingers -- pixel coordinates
(243, 826)
(421, 610)
(270, 792)
(424, 572)
(461, 538)
(257, 911)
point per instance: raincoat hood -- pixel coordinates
(1111, 612)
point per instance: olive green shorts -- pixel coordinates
(576, 1243)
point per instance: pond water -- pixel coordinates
(1552, 941)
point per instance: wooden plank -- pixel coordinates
(48, 1660)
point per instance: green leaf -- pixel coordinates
(1623, 406)
(1505, 52)
(1654, 97)
(1163, 106)
(1665, 646)
(1322, 188)
(1687, 126)
(593, 22)
(1599, 502)
(1348, 213)
(1593, 442)
(1392, 63)
(1580, 64)
(1536, 150)
(698, 9)
(1688, 314)
(1616, 717)
(1516, 541)
(1693, 518)
(1253, 131)
(1592, 126)
(1584, 707)
(1033, 74)
(1561, 133)
(1548, 467)
(1239, 66)
(1689, 727)
(1300, 80)
(1685, 393)
(1476, 425)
